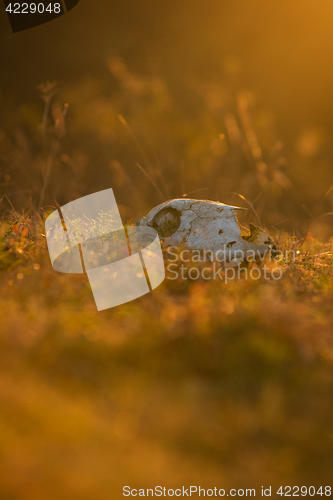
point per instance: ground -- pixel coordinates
(199, 382)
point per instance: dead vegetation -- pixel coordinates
(227, 382)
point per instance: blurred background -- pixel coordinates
(195, 383)
(227, 97)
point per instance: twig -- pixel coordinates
(10, 203)
(160, 171)
(315, 220)
(150, 179)
(52, 154)
(248, 202)
(135, 139)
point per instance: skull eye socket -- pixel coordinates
(166, 222)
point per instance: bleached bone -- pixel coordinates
(207, 225)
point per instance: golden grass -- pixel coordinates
(197, 382)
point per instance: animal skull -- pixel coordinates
(206, 225)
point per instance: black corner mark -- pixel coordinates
(70, 4)
(27, 14)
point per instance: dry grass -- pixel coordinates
(225, 385)
(197, 382)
